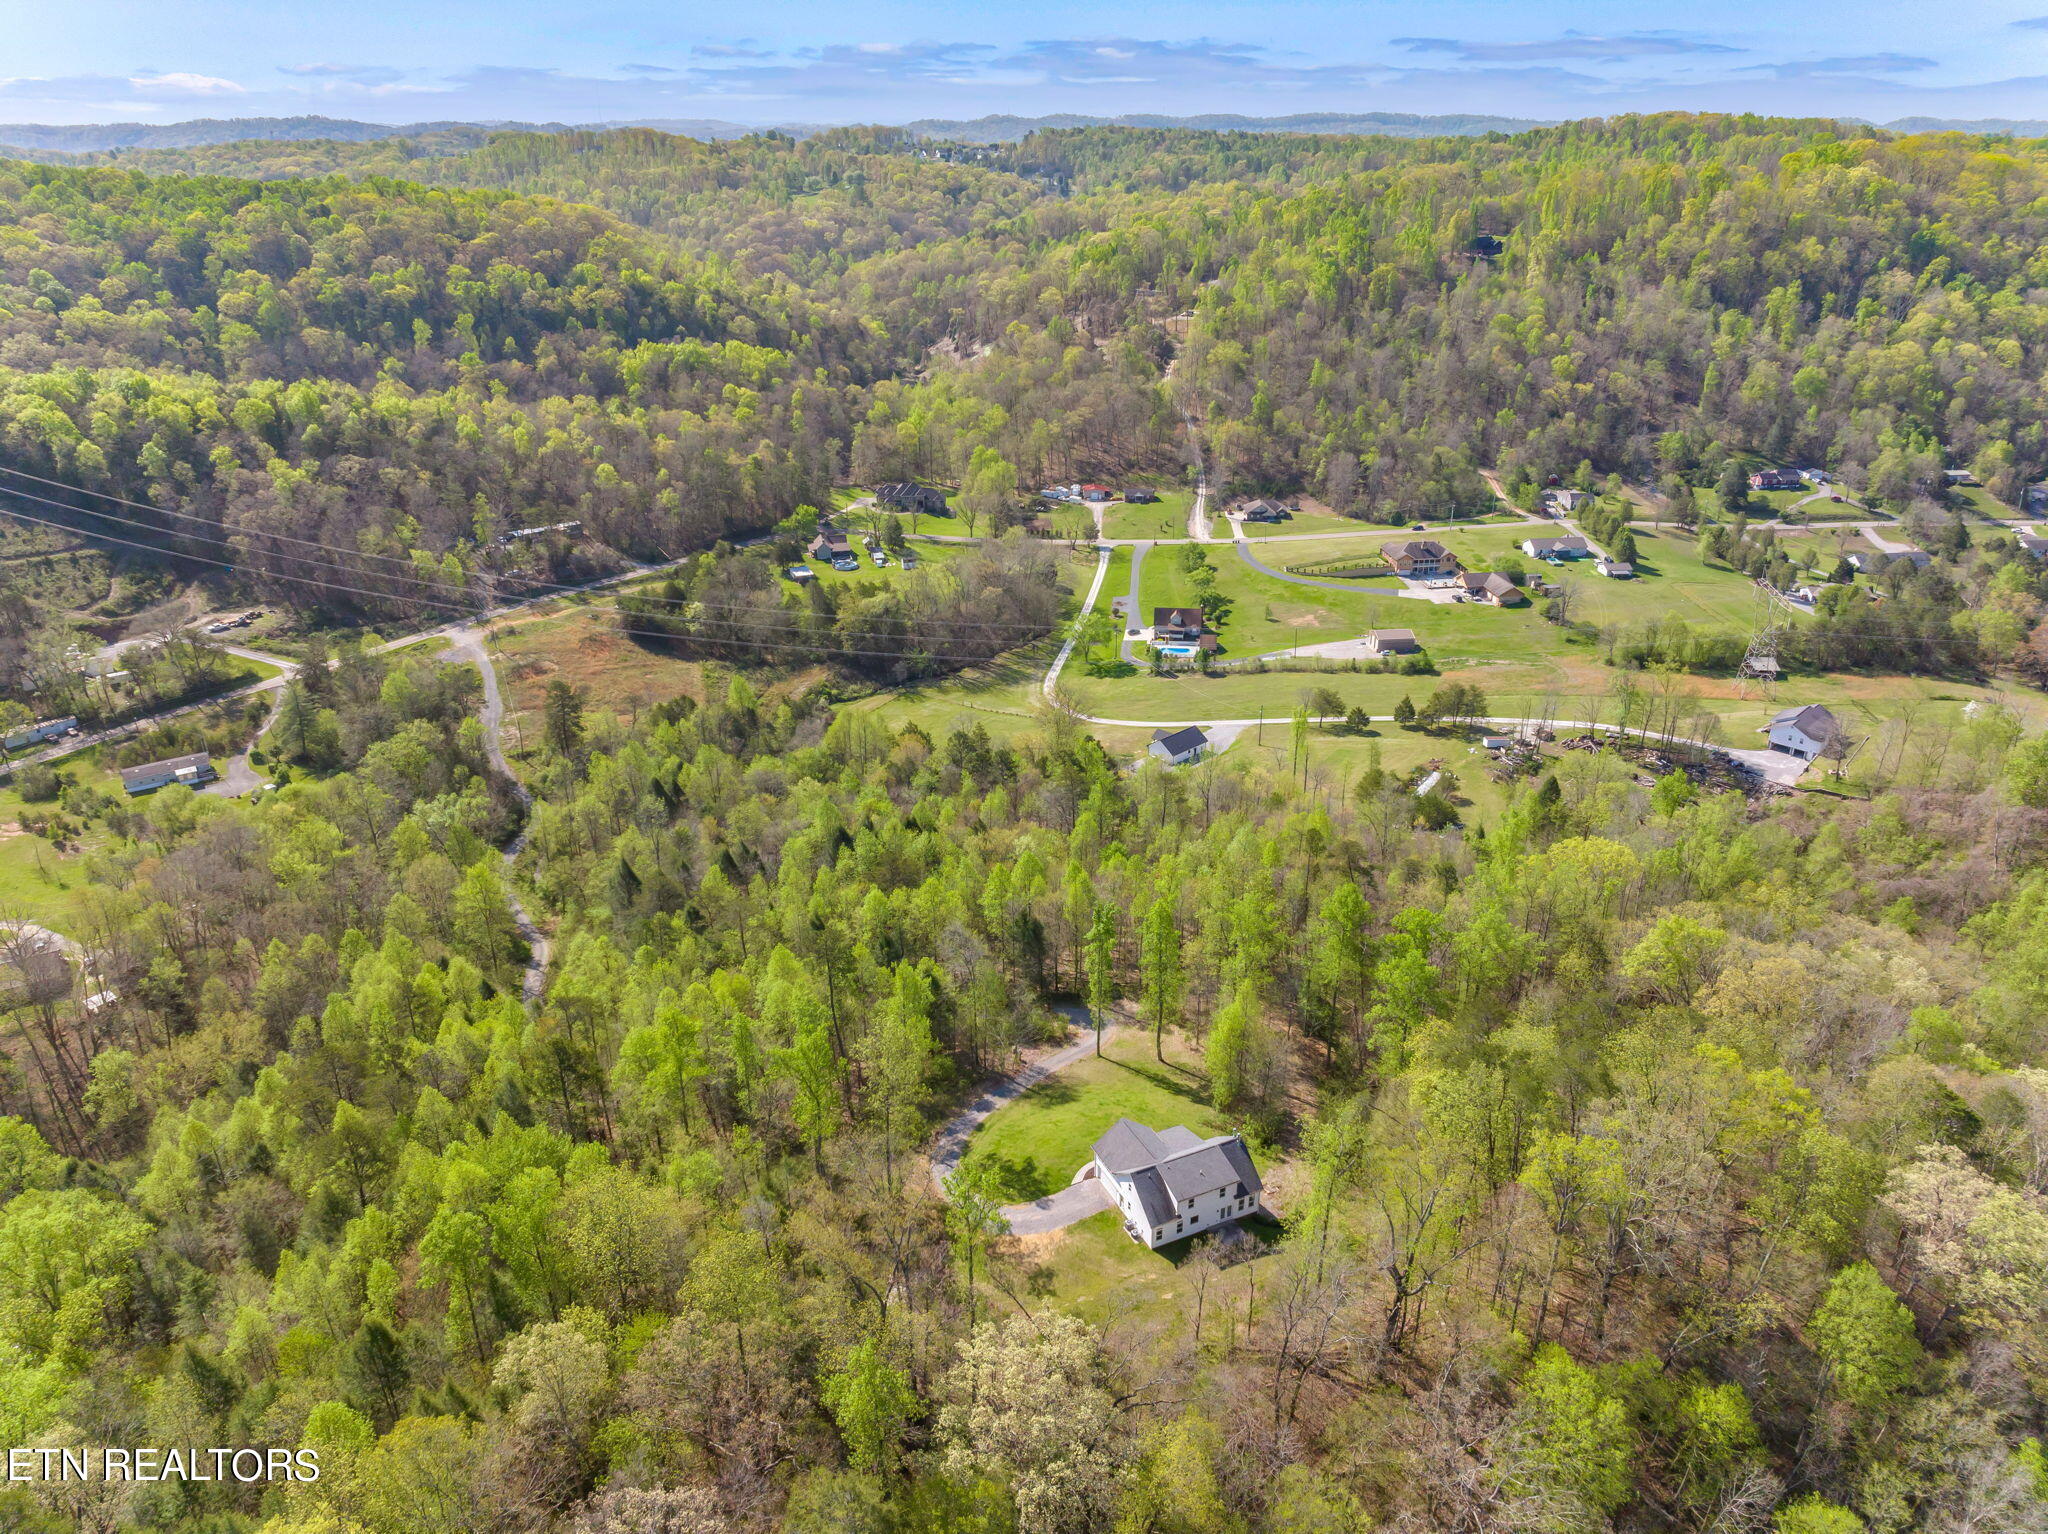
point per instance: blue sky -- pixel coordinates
(895, 60)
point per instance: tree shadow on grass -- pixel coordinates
(1053, 1089)
(1261, 1230)
(1176, 1079)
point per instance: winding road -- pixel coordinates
(448, 631)
(468, 644)
(1244, 552)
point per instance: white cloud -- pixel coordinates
(179, 83)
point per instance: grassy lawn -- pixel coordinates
(1167, 518)
(1336, 758)
(36, 880)
(1671, 580)
(1976, 500)
(1822, 512)
(1098, 1273)
(1267, 614)
(1164, 582)
(1312, 550)
(1046, 1135)
(1308, 520)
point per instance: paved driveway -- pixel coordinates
(951, 1143)
(1074, 1202)
(1055, 1211)
(1779, 767)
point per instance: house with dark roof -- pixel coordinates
(1492, 587)
(1805, 731)
(1140, 496)
(1171, 1184)
(831, 544)
(1569, 546)
(1419, 559)
(1264, 511)
(1615, 569)
(1186, 744)
(1183, 623)
(190, 770)
(1776, 479)
(907, 496)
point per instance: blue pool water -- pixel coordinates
(1180, 649)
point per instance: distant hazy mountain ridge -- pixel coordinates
(35, 140)
(99, 138)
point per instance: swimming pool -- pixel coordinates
(1180, 649)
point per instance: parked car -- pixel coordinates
(878, 557)
(908, 561)
(1419, 527)
(802, 573)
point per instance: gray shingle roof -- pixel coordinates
(1812, 718)
(1187, 738)
(1171, 1166)
(1127, 1145)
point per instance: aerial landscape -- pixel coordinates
(1215, 785)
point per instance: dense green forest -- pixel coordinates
(402, 352)
(1644, 1157)
(1657, 1159)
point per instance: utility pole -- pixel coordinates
(1760, 663)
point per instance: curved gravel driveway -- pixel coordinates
(1074, 1202)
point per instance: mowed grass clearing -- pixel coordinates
(1307, 519)
(1165, 518)
(1049, 1133)
(1671, 581)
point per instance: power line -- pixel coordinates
(220, 541)
(824, 649)
(152, 548)
(166, 511)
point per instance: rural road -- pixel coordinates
(467, 644)
(1059, 661)
(1061, 1208)
(1133, 618)
(238, 775)
(449, 631)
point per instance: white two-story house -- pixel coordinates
(1806, 731)
(1171, 1184)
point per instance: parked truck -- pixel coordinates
(36, 734)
